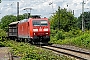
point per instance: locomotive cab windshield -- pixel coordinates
(40, 23)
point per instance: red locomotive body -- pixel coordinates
(23, 29)
(34, 30)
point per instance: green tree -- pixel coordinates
(64, 19)
(7, 20)
(86, 20)
(21, 17)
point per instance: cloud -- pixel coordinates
(42, 6)
(11, 0)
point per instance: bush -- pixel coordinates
(82, 41)
(1, 44)
(29, 52)
(72, 33)
(60, 35)
(2, 33)
(73, 37)
(53, 32)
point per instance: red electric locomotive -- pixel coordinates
(34, 30)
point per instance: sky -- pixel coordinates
(42, 7)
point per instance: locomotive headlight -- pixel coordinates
(34, 33)
(35, 30)
(46, 29)
(46, 33)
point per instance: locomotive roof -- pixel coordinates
(24, 20)
(14, 23)
(35, 16)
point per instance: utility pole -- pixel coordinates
(59, 17)
(17, 11)
(0, 1)
(73, 12)
(83, 16)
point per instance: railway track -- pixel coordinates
(69, 52)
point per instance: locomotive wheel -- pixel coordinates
(18, 39)
(28, 40)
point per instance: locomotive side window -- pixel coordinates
(40, 23)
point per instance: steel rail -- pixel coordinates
(83, 52)
(73, 53)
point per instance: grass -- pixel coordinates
(76, 38)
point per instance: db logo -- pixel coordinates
(40, 29)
